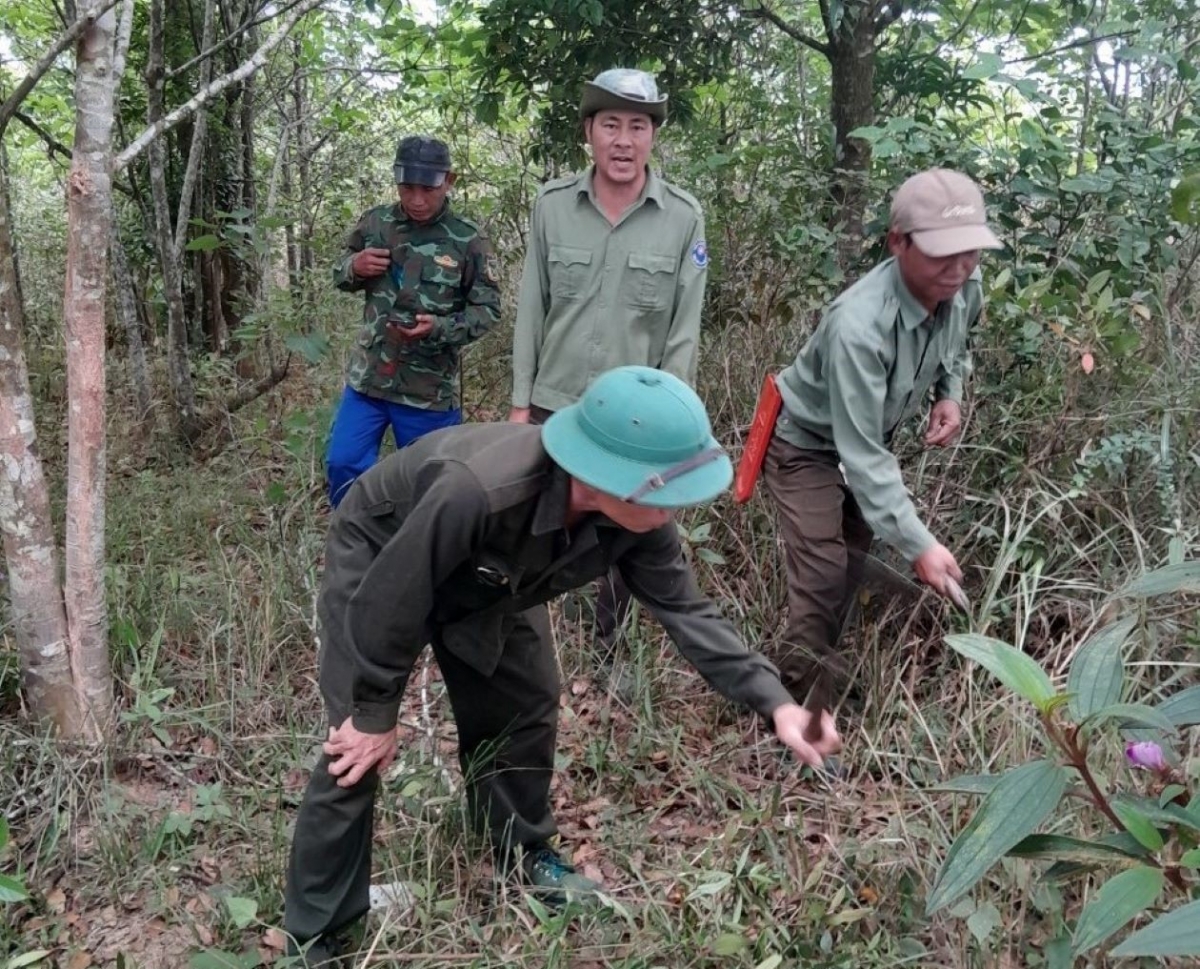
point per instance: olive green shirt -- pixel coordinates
(596, 295)
(467, 525)
(866, 370)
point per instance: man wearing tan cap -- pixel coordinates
(881, 347)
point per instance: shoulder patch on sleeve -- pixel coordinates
(700, 254)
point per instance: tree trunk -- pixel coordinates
(135, 348)
(178, 365)
(39, 617)
(852, 64)
(89, 208)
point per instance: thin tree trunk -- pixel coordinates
(135, 348)
(39, 617)
(89, 207)
(178, 367)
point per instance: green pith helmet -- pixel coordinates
(621, 89)
(642, 435)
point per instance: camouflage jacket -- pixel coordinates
(444, 268)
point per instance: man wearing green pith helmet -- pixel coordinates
(459, 541)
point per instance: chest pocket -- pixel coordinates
(441, 286)
(568, 269)
(651, 280)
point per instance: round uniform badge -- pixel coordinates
(700, 254)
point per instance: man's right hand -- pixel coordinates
(368, 263)
(352, 753)
(935, 565)
(519, 415)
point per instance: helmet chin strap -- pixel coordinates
(659, 480)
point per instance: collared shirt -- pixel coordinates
(867, 369)
(596, 295)
(442, 267)
(464, 528)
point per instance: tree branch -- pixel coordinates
(1082, 42)
(229, 38)
(798, 35)
(65, 40)
(185, 110)
(53, 145)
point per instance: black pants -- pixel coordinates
(507, 725)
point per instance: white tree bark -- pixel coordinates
(39, 618)
(89, 209)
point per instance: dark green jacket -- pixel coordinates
(466, 526)
(443, 267)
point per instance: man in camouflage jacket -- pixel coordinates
(428, 278)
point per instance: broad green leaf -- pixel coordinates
(987, 65)
(1097, 671)
(1183, 708)
(1182, 577)
(3, 831)
(1167, 814)
(203, 244)
(11, 890)
(27, 959)
(773, 961)
(730, 944)
(1119, 900)
(1174, 934)
(969, 784)
(1190, 859)
(1022, 799)
(1185, 200)
(1131, 714)
(313, 347)
(1138, 825)
(1063, 848)
(984, 921)
(1020, 673)
(242, 911)
(1085, 184)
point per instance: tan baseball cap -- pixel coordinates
(943, 212)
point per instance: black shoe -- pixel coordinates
(327, 952)
(554, 880)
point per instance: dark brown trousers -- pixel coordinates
(824, 537)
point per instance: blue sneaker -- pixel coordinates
(555, 881)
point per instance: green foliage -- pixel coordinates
(1152, 838)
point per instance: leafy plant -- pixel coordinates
(1155, 825)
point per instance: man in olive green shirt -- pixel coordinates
(614, 271)
(881, 347)
(458, 541)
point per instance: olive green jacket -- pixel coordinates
(868, 368)
(466, 526)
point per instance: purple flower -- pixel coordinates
(1146, 755)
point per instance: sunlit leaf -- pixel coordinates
(1022, 799)
(1018, 672)
(1175, 934)
(986, 65)
(11, 890)
(1185, 200)
(1097, 671)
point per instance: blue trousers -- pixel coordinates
(358, 430)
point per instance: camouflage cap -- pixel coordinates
(421, 161)
(943, 212)
(622, 89)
